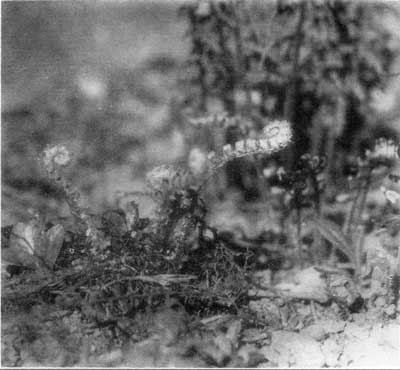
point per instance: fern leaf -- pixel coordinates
(332, 232)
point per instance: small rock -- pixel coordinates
(331, 351)
(247, 356)
(294, 349)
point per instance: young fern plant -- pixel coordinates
(349, 239)
(305, 184)
(55, 160)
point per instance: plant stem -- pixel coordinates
(359, 203)
(289, 108)
(317, 243)
(358, 252)
(298, 227)
(358, 242)
(396, 282)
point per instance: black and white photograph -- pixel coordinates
(200, 184)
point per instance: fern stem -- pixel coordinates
(358, 243)
(363, 201)
(350, 217)
(290, 100)
(396, 282)
(298, 229)
(359, 203)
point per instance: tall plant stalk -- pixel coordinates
(290, 100)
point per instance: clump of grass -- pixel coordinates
(173, 253)
(349, 239)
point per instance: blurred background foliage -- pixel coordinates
(115, 81)
(96, 76)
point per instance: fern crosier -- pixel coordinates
(55, 159)
(275, 136)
